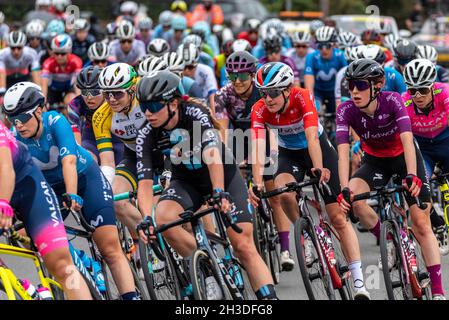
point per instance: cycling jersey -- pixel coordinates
(244, 35)
(147, 40)
(206, 60)
(80, 48)
(107, 123)
(55, 143)
(300, 114)
(442, 74)
(299, 62)
(61, 78)
(259, 51)
(219, 63)
(394, 81)
(379, 134)
(205, 78)
(159, 32)
(324, 70)
(284, 59)
(341, 86)
(191, 87)
(18, 70)
(137, 51)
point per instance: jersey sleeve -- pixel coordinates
(101, 123)
(443, 75)
(35, 65)
(144, 148)
(7, 139)
(400, 83)
(310, 115)
(220, 104)
(211, 81)
(338, 81)
(62, 131)
(2, 61)
(46, 68)
(74, 116)
(343, 123)
(195, 91)
(293, 66)
(400, 113)
(309, 65)
(258, 120)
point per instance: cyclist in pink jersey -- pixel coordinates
(427, 104)
(382, 122)
(24, 188)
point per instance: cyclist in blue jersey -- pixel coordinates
(272, 26)
(164, 26)
(209, 37)
(70, 169)
(430, 53)
(177, 32)
(322, 67)
(23, 187)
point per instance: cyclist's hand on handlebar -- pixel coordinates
(253, 199)
(146, 229)
(76, 202)
(342, 199)
(222, 201)
(6, 214)
(325, 174)
(412, 184)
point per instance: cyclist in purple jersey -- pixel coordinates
(82, 108)
(382, 122)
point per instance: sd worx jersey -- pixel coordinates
(379, 134)
(290, 124)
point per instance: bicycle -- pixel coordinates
(10, 285)
(408, 277)
(205, 261)
(440, 186)
(329, 270)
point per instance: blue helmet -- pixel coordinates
(202, 26)
(179, 23)
(55, 27)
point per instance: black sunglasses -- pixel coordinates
(90, 92)
(100, 61)
(60, 53)
(272, 93)
(361, 85)
(303, 46)
(126, 41)
(190, 67)
(16, 48)
(424, 91)
(321, 46)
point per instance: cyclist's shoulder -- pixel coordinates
(73, 59)
(100, 116)
(441, 90)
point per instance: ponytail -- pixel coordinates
(200, 103)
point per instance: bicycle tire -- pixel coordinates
(140, 290)
(422, 269)
(390, 228)
(274, 255)
(201, 267)
(58, 294)
(96, 295)
(324, 281)
(168, 275)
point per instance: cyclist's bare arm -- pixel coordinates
(35, 76)
(44, 86)
(343, 164)
(309, 82)
(145, 197)
(313, 145)
(3, 79)
(212, 103)
(224, 124)
(107, 159)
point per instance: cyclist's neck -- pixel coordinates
(247, 94)
(372, 107)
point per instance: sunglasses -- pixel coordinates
(273, 93)
(60, 53)
(100, 61)
(190, 67)
(424, 91)
(22, 118)
(126, 41)
(361, 85)
(403, 62)
(243, 76)
(152, 106)
(34, 38)
(302, 46)
(90, 92)
(321, 46)
(273, 51)
(179, 30)
(117, 95)
(16, 48)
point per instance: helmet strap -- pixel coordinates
(372, 97)
(246, 91)
(285, 103)
(171, 114)
(38, 126)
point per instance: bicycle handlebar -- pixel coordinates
(77, 215)
(133, 194)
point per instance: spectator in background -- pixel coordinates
(207, 11)
(415, 20)
(144, 26)
(252, 32)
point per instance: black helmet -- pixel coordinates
(200, 33)
(159, 86)
(88, 78)
(22, 97)
(405, 51)
(364, 69)
(272, 42)
(241, 61)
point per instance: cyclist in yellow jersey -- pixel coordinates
(121, 116)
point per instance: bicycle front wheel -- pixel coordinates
(314, 272)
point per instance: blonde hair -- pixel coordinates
(202, 104)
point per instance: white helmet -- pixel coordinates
(253, 24)
(62, 43)
(227, 35)
(174, 61)
(193, 38)
(125, 30)
(301, 37)
(389, 41)
(351, 54)
(189, 53)
(151, 64)
(22, 97)
(326, 34)
(274, 75)
(17, 39)
(61, 5)
(427, 52)
(165, 18)
(98, 51)
(129, 6)
(373, 52)
(117, 76)
(158, 47)
(145, 23)
(419, 73)
(2, 17)
(39, 3)
(241, 45)
(34, 28)
(82, 24)
(347, 39)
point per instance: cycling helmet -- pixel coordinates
(178, 5)
(315, 25)
(276, 25)
(88, 78)
(405, 51)
(22, 97)
(55, 27)
(2, 17)
(193, 38)
(226, 35)
(111, 28)
(301, 37)
(326, 34)
(159, 86)
(98, 51)
(202, 26)
(174, 61)
(253, 24)
(62, 43)
(145, 23)
(129, 7)
(61, 5)
(272, 42)
(427, 52)
(151, 64)
(226, 47)
(351, 54)
(274, 75)
(189, 53)
(198, 32)
(241, 45)
(373, 52)
(385, 27)
(370, 36)
(17, 39)
(165, 18)
(347, 39)
(364, 69)
(158, 47)
(125, 30)
(179, 23)
(390, 41)
(82, 24)
(39, 3)
(117, 76)
(34, 29)
(241, 61)
(419, 73)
